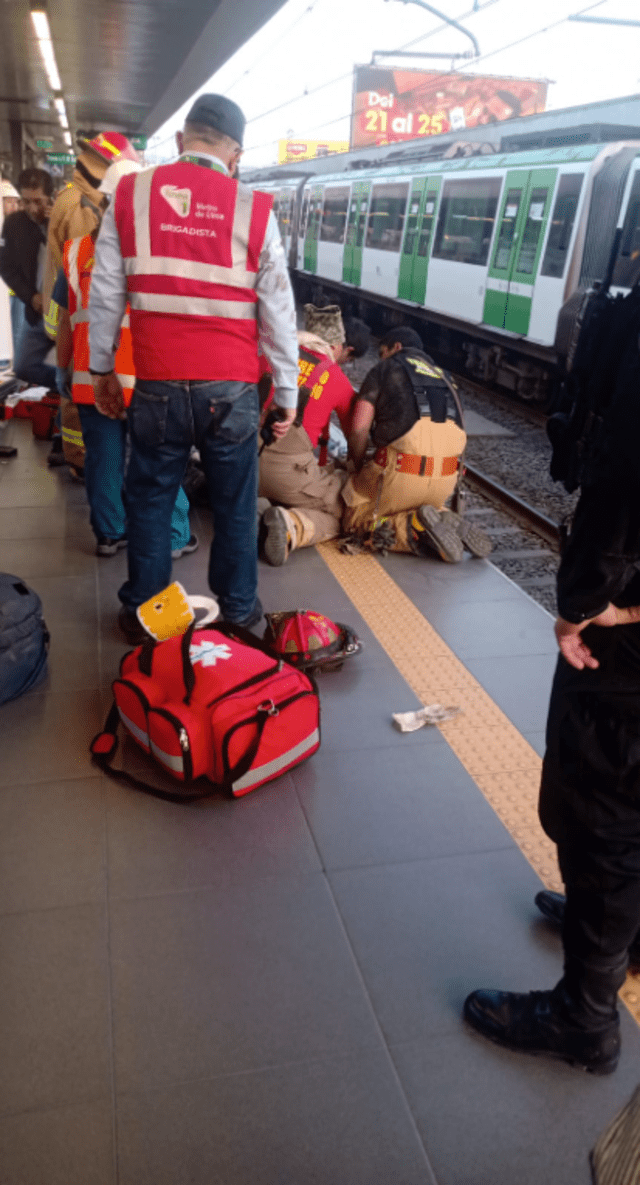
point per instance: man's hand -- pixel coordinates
(575, 649)
(108, 395)
(281, 426)
(36, 302)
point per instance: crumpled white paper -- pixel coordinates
(30, 395)
(430, 714)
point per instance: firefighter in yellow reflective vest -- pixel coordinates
(396, 500)
(104, 438)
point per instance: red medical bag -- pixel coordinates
(213, 703)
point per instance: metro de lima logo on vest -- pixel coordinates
(178, 199)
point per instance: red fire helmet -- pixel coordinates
(310, 640)
(111, 146)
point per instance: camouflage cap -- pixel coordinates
(325, 322)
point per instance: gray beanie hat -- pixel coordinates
(326, 323)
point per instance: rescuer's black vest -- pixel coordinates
(430, 386)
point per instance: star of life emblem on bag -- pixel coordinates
(178, 199)
(208, 653)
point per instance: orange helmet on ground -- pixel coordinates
(111, 146)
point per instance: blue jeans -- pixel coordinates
(29, 363)
(221, 420)
(18, 322)
(104, 468)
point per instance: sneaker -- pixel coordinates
(192, 545)
(133, 630)
(473, 538)
(106, 546)
(278, 534)
(439, 534)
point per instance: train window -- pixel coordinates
(532, 230)
(562, 220)
(467, 215)
(412, 225)
(507, 228)
(627, 269)
(427, 223)
(362, 219)
(303, 216)
(386, 216)
(334, 215)
(351, 224)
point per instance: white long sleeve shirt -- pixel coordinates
(276, 309)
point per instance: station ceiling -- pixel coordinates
(125, 65)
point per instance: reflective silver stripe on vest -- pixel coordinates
(74, 283)
(192, 306)
(83, 377)
(126, 321)
(146, 264)
(80, 317)
(260, 772)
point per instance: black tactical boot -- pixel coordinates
(552, 906)
(545, 1022)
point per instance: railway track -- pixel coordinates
(530, 518)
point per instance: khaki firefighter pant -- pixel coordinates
(378, 493)
(291, 476)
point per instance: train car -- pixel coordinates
(484, 250)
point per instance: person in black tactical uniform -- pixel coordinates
(397, 497)
(590, 792)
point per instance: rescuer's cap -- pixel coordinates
(118, 169)
(219, 113)
(326, 322)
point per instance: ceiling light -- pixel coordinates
(41, 24)
(67, 139)
(50, 65)
(62, 112)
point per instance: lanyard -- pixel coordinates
(205, 161)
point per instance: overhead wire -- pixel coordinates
(281, 36)
(472, 62)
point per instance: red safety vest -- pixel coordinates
(191, 239)
(78, 261)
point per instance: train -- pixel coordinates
(478, 253)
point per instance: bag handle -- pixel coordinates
(103, 749)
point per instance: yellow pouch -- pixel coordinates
(171, 612)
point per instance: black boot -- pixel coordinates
(552, 907)
(545, 1022)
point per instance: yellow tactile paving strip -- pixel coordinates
(501, 762)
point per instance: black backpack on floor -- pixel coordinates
(23, 638)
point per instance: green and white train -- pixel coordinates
(479, 253)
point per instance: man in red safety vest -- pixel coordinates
(200, 259)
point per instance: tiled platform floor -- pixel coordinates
(268, 991)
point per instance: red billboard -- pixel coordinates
(391, 105)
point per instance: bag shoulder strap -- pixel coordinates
(103, 749)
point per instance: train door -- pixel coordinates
(357, 221)
(313, 227)
(516, 253)
(414, 262)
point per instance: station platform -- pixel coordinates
(268, 991)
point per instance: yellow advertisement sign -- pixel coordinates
(290, 151)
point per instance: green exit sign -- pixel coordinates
(48, 144)
(60, 158)
(139, 142)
